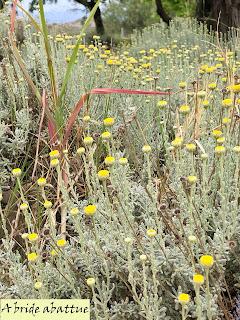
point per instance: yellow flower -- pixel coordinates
(32, 256)
(123, 161)
(201, 94)
(80, 151)
(191, 147)
(24, 206)
(90, 282)
(235, 88)
(109, 160)
(16, 172)
(205, 103)
(108, 122)
(47, 204)
(192, 239)
(182, 84)
(103, 175)
(224, 79)
(42, 182)
(220, 140)
(143, 257)
(177, 142)
(151, 233)
(183, 298)
(185, 109)
(106, 135)
(90, 210)
(212, 86)
(146, 149)
(220, 150)
(217, 133)
(95, 37)
(54, 154)
(206, 261)
(227, 102)
(226, 120)
(54, 162)
(32, 237)
(192, 179)
(74, 211)
(198, 279)
(24, 236)
(88, 141)
(38, 285)
(61, 243)
(162, 103)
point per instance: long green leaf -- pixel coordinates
(74, 54)
(31, 19)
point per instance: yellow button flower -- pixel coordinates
(146, 149)
(185, 109)
(177, 142)
(109, 160)
(151, 233)
(32, 256)
(80, 151)
(16, 172)
(220, 150)
(103, 175)
(61, 243)
(42, 182)
(24, 206)
(54, 163)
(123, 161)
(32, 237)
(88, 141)
(183, 298)
(206, 261)
(198, 279)
(162, 103)
(191, 147)
(54, 154)
(90, 210)
(74, 211)
(108, 122)
(90, 282)
(217, 133)
(38, 285)
(47, 204)
(192, 179)
(106, 135)
(227, 102)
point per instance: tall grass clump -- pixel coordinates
(138, 208)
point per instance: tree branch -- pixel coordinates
(162, 13)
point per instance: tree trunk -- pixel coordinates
(220, 14)
(100, 30)
(162, 13)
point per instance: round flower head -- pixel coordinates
(86, 119)
(109, 161)
(24, 206)
(205, 103)
(192, 239)
(204, 156)
(16, 172)
(32, 237)
(220, 150)
(182, 84)
(162, 103)
(90, 210)
(24, 236)
(54, 154)
(151, 233)
(108, 122)
(212, 86)
(90, 282)
(88, 141)
(198, 279)
(185, 109)
(217, 133)
(177, 142)
(146, 149)
(235, 88)
(236, 149)
(80, 151)
(226, 120)
(183, 298)
(74, 211)
(143, 257)
(38, 285)
(61, 243)
(106, 135)
(206, 261)
(47, 204)
(42, 182)
(103, 175)
(191, 147)
(32, 256)
(192, 179)
(123, 161)
(220, 140)
(201, 94)
(227, 102)
(54, 163)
